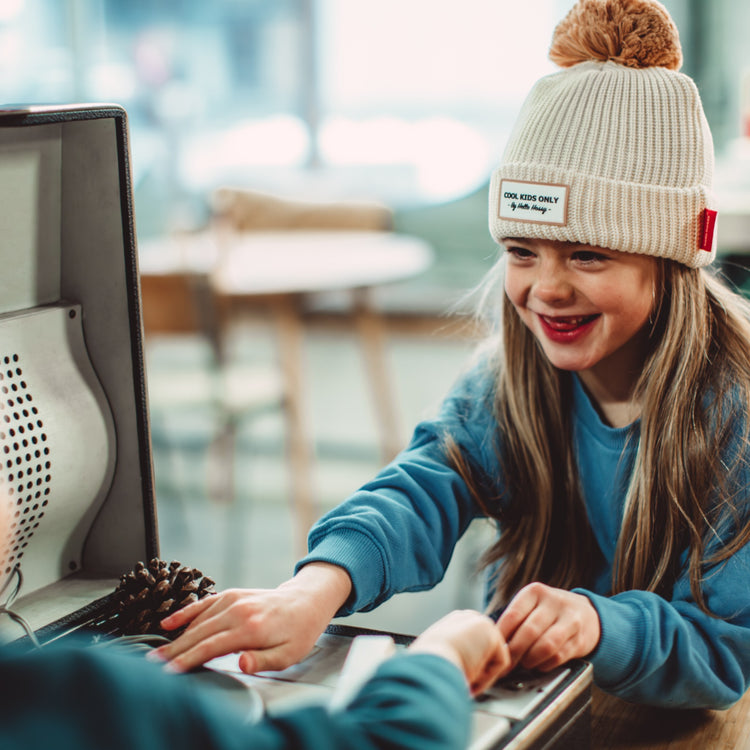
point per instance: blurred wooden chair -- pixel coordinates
(176, 305)
(236, 211)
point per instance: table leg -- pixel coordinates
(299, 443)
(372, 334)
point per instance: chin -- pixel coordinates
(569, 363)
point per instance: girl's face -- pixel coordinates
(585, 305)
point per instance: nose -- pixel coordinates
(551, 284)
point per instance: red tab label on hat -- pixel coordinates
(539, 203)
(708, 227)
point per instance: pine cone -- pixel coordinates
(146, 595)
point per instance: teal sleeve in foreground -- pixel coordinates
(84, 699)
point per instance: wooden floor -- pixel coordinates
(618, 724)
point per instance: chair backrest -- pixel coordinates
(248, 210)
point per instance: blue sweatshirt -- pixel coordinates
(83, 699)
(397, 533)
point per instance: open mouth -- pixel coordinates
(567, 329)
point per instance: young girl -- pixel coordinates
(604, 426)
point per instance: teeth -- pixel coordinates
(568, 321)
(572, 320)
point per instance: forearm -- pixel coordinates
(327, 585)
(398, 532)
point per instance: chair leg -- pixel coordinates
(221, 463)
(166, 475)
(236, 515)
(372, 336)
(299, 441)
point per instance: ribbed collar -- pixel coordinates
(586, 415)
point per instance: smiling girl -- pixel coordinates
(587, 307)
(604, 424)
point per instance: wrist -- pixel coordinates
(440, 649)
(328, 586)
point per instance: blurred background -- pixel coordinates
(404, 104)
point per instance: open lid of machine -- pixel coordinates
(74, 438)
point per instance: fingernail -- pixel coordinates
(172, 668)
(155, 656)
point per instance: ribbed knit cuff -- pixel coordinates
(639, 218)
(355, 552)
(623, 632)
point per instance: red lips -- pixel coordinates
(566, 328)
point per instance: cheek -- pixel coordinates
(643, 288)
(630, 305)
(643, 297)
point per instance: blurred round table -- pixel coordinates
(280, 270)
(303, 262)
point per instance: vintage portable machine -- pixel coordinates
(74, 428)
(74, 435)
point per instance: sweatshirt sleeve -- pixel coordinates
(397, 533)
(417, 701)
(75, 699)
(671, 653)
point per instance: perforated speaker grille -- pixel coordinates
(57, 444)
(26, 459)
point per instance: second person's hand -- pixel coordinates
(471, 641)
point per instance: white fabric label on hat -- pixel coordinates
(540, 203)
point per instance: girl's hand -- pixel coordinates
(472, 642)
(272, 628)
(546, 627)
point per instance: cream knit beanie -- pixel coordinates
(614, 150)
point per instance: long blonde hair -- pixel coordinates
(683, 486)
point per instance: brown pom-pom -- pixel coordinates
(636, 33)
(148, 593)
